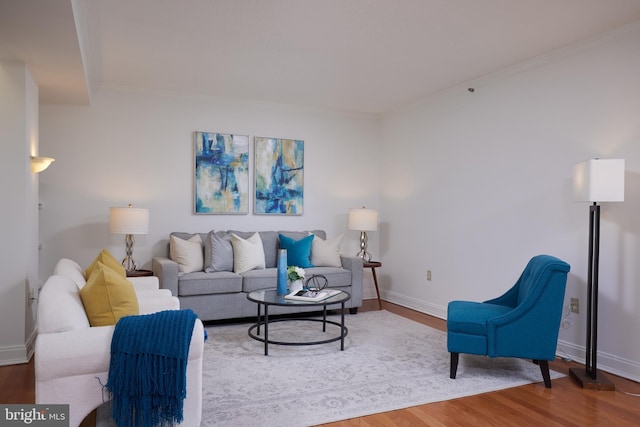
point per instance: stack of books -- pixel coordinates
(314, 296)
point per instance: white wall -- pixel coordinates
(137, 147)
(19, 225)
(469, 185)
(474, 184)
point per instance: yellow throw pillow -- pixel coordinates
(108, 296)
(107, 259)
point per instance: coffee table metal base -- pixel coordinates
(266, 322)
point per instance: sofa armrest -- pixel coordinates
(150, 305)
(83, 351)
(149, 283)
(71, 367)
(158, 293)
(355, 266)
(87, 351)
(166, 271)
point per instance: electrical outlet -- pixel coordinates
(575, 305)
(33, 295)
(429, 275)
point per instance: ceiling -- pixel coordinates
(366, 56)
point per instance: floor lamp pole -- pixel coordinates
(590, 378)
(592, 290)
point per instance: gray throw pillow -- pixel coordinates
(218, 252)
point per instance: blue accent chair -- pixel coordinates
(523, 323)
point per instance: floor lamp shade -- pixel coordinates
(596, 180)
(129, 221)
(599, 180)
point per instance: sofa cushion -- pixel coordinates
(259, 279)
(248, 254)
(298, 251)
(326, 253)
(297, 235)
(270, 246)
(107, 297)
(187, 253)
(187, 236)
(201, 283)
(60, 308)
(336, 276)
(72, 270)
(107, 259)
(218, 252)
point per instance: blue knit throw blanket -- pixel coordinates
(147, 376)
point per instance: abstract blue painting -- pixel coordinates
(279, 176)
(221, 173)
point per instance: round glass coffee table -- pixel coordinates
(268, 297)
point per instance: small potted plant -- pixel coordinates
(295, 277)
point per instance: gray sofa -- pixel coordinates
(223, 294)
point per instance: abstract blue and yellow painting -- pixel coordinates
(221, 173)
(279, 176)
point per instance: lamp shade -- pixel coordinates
(363, 219)
(128, 221)
(599, 180)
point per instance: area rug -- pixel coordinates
(389, 363)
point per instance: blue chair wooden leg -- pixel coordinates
(454, 365)
(544, 368)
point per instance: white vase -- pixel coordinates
(295, 285)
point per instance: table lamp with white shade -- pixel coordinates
(129, 221)
(363, 220)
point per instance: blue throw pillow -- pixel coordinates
(298, 251)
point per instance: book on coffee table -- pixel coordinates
(311, 295)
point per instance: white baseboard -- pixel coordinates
(415, 304)
(18, 354)
(13, 355)
(606, 362)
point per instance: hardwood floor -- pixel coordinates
(566, 404)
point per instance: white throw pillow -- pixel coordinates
(247, 254)
(187, 253)
(326, 253)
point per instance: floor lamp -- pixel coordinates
(596, 180)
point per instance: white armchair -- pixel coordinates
(72, 358)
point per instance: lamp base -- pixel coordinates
(366, 256)
(129, 264)
(584, 380)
